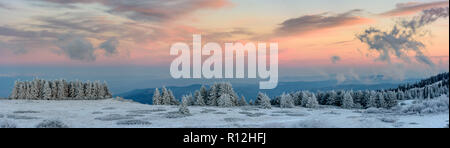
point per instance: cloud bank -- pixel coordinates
(414, 7)
(310, 23)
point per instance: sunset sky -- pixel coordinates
(318, 37)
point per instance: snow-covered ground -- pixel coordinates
(120, 114)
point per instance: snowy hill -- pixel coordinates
(119, 114)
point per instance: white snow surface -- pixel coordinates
(113, 113)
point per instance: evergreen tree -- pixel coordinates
(47, 91)
(15, 93)
(184, 106)
(242, 101)
(263, 101)
(311, 102)
(286, 101)
(347, 101)
(225, 101)
(212, 96)
(199, 99)
(156, 97)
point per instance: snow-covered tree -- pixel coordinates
(15, 92)
(380, 101)
(263, 101)
(391, 99)
(172, 99)
(47, 91)
(347, 101)
(156, 97)
(286, 101)
(204, 93)
(242, 101)
(212, 96)
(80, 91)
(184, 106)
(165, 100)
(225, 101)
(310, 102)
(199, 99)
(331, 98)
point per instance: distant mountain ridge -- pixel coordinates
(250, 91)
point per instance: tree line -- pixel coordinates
(223, 95)
(38, 89)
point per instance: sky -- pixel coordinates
(333, 39)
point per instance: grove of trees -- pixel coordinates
(38, 89)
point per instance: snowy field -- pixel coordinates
(112, 113)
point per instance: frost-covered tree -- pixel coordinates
(212, 96)
(331, 98)
(286, 101)
(204, 92)
(199, 99)
(263, 101)
(173, 100)
(225, 101)
(184, 106)
(391, 99)
(156, 97)
(47, 91)
(380, 101)
(80, 91)
(165, 100)
(167, 97)
(347, 101)
(15, 92)
(242, 101)
(310, 101)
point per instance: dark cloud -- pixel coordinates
(151, 10)
(9, 31)
(77, 48)
(402, 37)
(414, 7)
(110, 46)
(335, 59)
(316, 22)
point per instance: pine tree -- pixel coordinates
(225, 101)
(15, 93)
(172, 99)
(286, 101)
(331, 98)
(184, 106)
(204, 93)
(80, 91)
(381, 103)
(311, 102)
(47, 91)
(242, 101)
(212, 96)
(156, 97)
(347, 101)
(199, 99)
(165, 100)
(263, 101)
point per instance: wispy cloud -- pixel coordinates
(414, 7)
(151, 10)
(311, 23)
